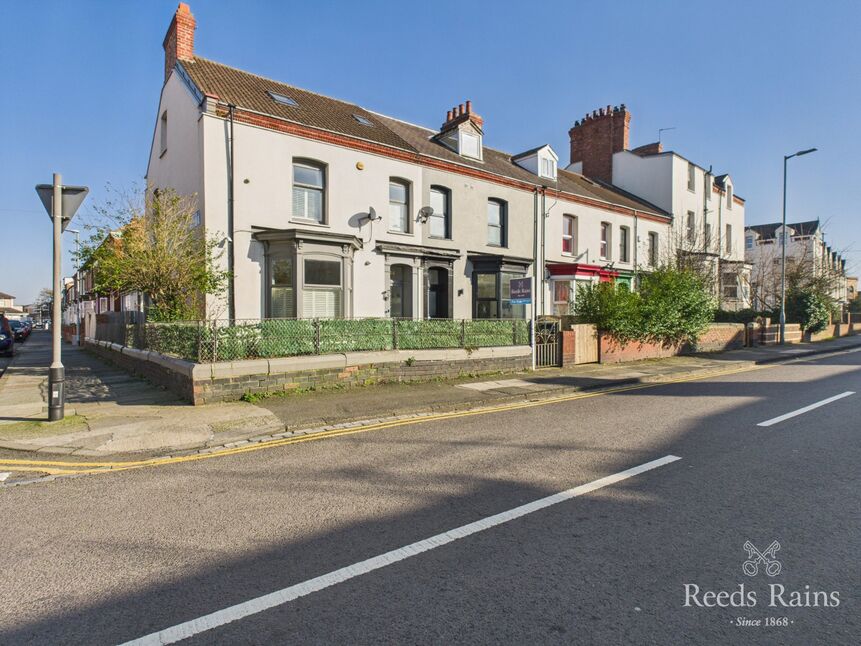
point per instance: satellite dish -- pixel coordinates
(372, 214)
(425, 212)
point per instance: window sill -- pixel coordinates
(401, 233)
(438, 238)
(497, 246)
(310, 223)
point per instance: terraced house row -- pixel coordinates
(328, 209)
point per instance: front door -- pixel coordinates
(438, 293)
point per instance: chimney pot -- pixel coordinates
(468, 106)
(460, 109)
(448, 116)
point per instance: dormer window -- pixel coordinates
(462, 131)
(470, 145)
(541, 161)
(548, 168)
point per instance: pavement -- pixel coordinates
(586, 520)
(110, 413)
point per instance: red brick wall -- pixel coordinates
(596, 137)
(179, 40)
(719, 337)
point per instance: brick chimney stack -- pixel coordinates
(179, 40)
(596, 137)
(459, 114)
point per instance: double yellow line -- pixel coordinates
(63, 468)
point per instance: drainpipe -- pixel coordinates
(231, 301)
(636, 251)
(534, 307)
(543, 220)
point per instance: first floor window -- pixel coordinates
(440, 226)
(282, 296)
(692, 227)
(623, 244)
(399, 206)
(708, 237)
(653, 249)
(569, 235)
(728, 238)
(322, 293)
(496, 223)
(605, 241)
(308, 191)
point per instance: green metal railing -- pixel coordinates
(211, 341)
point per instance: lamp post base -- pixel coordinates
(56, 393)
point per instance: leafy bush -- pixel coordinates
(615, 311)
(672, 306)
(675, 306)
(810, 309)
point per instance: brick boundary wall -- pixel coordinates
(719, 337)
(204, 383)
(833, 330)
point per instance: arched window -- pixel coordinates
(399, 205)
(440, 221)
(309, 190)
(497, 214)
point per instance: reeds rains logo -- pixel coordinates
(742, 596)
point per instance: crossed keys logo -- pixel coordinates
(755, 557)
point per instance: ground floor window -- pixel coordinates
(281, 291)
(307, 274)
(492, 296)
(322, 293)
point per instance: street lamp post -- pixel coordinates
(60, 202)
(786, 158)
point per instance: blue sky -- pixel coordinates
(743, 83)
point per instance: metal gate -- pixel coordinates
(547, 347)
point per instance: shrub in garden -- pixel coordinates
(810, 309)
(672, 306)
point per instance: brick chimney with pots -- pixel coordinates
(179, 40)
(461, 114)
(596, 137)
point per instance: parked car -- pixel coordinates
(7, 337)
(19, 330)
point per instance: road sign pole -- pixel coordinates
(56, 373)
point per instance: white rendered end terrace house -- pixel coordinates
(328, 209)
(708, 216)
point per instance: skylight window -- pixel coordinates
(282, 99)
(363, 120)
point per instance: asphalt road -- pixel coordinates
(109, 558)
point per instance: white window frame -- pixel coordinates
(624, 244)
(653, 249)
(317, 166)
(605, 245)
(572, 235)
(692, 177)
(407, 195)
(501, 205)
(446, 216)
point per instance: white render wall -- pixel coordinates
(196, 162)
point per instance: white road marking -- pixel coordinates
(4, 475)
(247, 608)
(806, 409)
